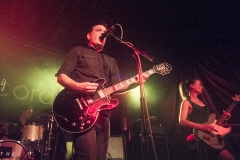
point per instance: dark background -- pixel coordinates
(198, 38)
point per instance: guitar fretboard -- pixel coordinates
(223, 117)
(125, 83)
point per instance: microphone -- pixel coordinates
(105, 34)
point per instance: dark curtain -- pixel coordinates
(220, 75)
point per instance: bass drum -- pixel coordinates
(12, 150)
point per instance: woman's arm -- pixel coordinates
(184, 111)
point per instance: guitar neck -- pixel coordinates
(223, 117)
(124, 83)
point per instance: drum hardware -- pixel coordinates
(34, 153)
(48, 141)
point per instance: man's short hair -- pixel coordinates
(90, 28)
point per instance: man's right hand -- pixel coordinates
(86, 87)
(83, 87)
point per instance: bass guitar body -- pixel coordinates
(215, 137)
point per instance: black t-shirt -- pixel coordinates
(85, 64)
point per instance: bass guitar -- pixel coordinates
(215, 137)
(75, 112)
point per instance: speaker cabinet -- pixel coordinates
(115, 148)
(137, 150)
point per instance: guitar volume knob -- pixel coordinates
(73, 124)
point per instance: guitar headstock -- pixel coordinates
(163, 68)
(236, 98)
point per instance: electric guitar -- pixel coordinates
(215, 137)
(75, 112)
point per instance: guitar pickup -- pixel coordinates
(84, 102)
(79, 104)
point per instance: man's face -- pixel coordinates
(93, 37)
(28, 113)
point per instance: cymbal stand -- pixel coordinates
(48, 142)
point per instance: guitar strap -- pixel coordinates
(100, 62)
(104, 68)
(103, 65)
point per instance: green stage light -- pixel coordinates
(152, 96)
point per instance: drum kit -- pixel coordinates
(34, 142)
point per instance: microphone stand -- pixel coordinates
(48, 142)
(144, 139)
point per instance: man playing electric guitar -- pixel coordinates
(81, 67)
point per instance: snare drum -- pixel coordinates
(12, 150)
(32, 133)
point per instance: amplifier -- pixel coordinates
(115, 148)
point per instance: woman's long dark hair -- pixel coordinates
(184, 87)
